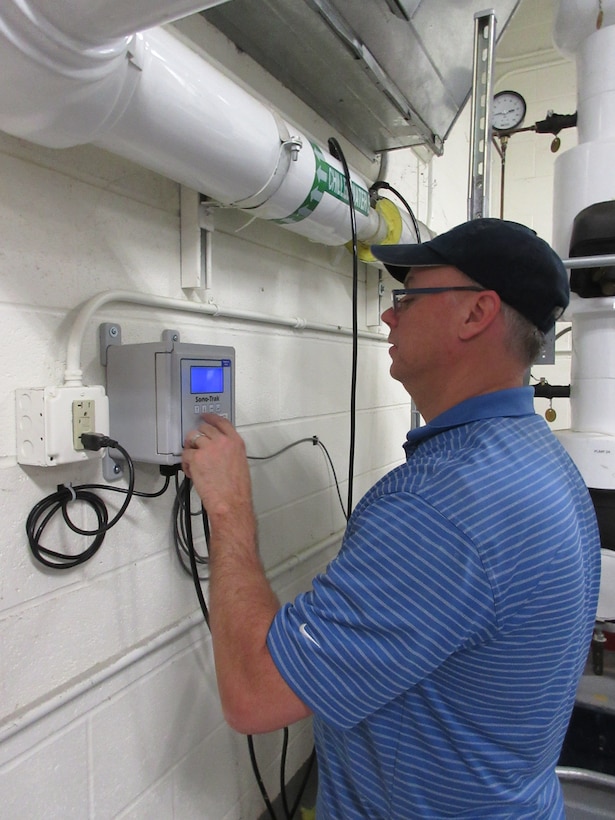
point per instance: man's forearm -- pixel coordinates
(255, 698)
(243, 606)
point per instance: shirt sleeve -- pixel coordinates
(406, 591)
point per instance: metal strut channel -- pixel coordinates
(482, 96)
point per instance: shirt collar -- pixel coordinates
(515, 401)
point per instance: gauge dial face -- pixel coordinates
(508, 111)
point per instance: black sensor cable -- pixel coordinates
(336, 151)
(379, 184)
(183, 524)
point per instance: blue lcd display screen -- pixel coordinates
(206, 380)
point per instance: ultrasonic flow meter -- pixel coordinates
(159, 391)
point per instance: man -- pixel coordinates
(441, 650)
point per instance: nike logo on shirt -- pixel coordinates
(306, 634)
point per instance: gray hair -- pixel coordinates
(524, 338)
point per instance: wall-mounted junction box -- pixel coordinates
(51, 419)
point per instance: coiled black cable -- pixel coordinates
(46, 509)
(42, 513)
(186, 488)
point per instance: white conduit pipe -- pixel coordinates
(73, 373)
(73, 75)
(66, 696)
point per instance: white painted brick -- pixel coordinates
(83, 627)
(208, 782)
(156, 802)
(50, 781)
(150, 727)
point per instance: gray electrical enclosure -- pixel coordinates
(158, 392)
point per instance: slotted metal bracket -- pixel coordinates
(480, 133)
(196, 228)
(109, 333)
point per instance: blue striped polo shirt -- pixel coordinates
(441, 650)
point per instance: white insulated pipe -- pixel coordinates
(593, 366)
(73, 76)
(98, 21)
(575, 20)
(584, 174)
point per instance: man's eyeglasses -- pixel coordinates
(403, 296)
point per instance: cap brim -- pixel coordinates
(398, 259)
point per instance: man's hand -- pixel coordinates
(214, 458)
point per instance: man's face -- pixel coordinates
(422, 328)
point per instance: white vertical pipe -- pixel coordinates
(584, 174)
(593, 366)
(575, 20)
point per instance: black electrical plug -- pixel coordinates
(170, 469)
(96, 441)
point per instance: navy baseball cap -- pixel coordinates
(503, 256)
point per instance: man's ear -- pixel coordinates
(481, 313)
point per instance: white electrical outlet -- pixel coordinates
(51, 419)
(84, 420)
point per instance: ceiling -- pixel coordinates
(529, 35)
(385, 73)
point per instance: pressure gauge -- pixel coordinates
(508, 111)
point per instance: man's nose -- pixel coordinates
(388, 317)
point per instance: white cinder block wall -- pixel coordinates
(107, 691)
(108, 699)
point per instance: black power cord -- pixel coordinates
(42, 512)
(46, 509)
(184, 543)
